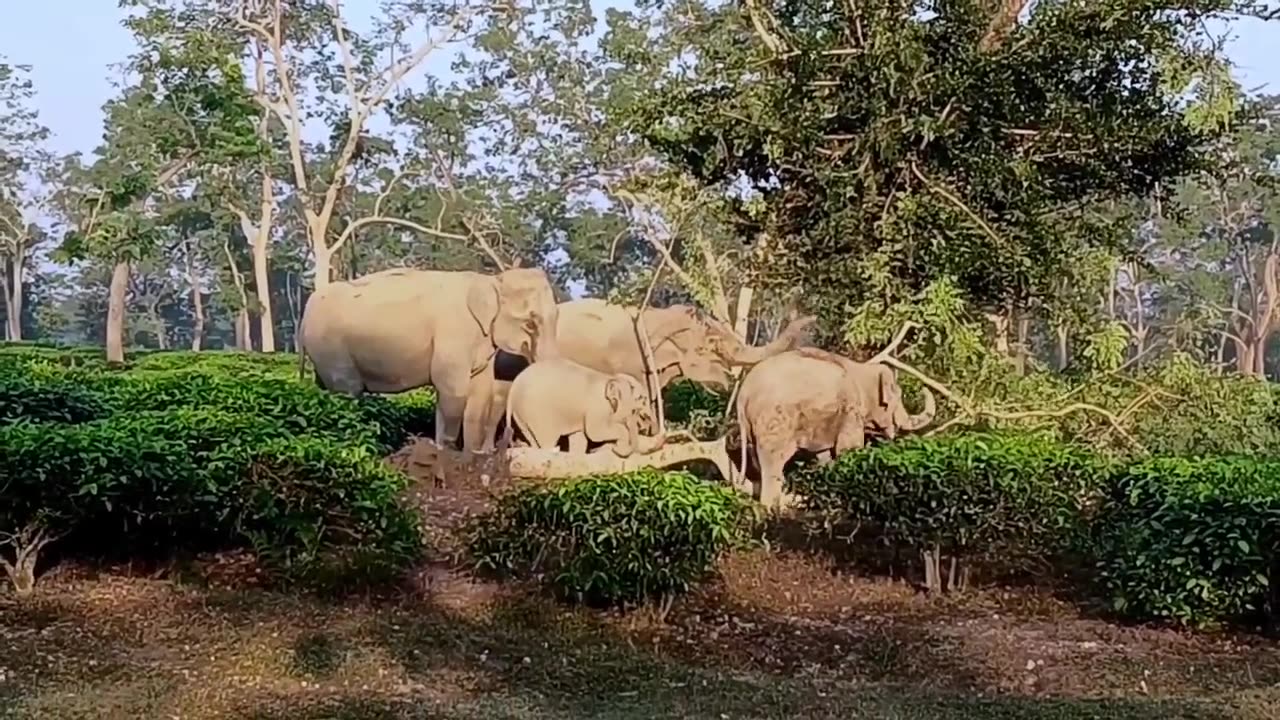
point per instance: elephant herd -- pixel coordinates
(500, 345)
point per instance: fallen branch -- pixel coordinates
(970, 413)
(898, 337)
(548, 463)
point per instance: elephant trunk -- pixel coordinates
(543, 344)
(625, 445)
(911, 423)
(651, 443)
(789, 338)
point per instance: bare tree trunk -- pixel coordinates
(1000, 341)
(1064, 357)
(293, 297)
(158, 327)
(323, 265)
(1024, 343)
(116, 311)
(11, 281)
(197, 304)
(259, 235)
(244, 338)
(266, 206)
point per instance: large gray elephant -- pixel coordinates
(400, 329)
(684, 343)
(810, 399)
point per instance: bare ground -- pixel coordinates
(783, 633)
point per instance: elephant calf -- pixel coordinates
(559, 397)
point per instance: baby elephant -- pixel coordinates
(559, 397)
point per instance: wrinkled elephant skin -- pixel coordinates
(809, 399)
(401, 329)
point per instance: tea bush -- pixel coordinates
(612, 539)
(1195, 541)
(976, 495)
(196, 451)
(694, 408)
(43, 391)
(201, 479)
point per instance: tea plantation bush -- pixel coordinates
(1192, 540)
(613, 539)
(965, 496)
(41, 391)
(203, 453)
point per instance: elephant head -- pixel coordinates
(629, 406)
(888, 414)
(705, 350)
(517, 311)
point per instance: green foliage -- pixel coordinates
(240, 383)
(200, 479)
(1194, 541)
(613, 539)
(990, 495)
(974, 155)
(24, 396)
(224, 452)
(695, 408)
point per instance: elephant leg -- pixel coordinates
(497, 408)
(825, 457)
(475, 417)
(578, 443)
(449, 409)
(772, 461)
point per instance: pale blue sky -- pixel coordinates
(70, 51)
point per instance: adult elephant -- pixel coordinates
(400, 329)
(683, 343)
(813, 400)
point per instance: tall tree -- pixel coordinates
(189, 106)
(25, 164)
(885, 146)
(1224, 245)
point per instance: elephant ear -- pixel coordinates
(482, 302)
(888, 384)
(613, 392)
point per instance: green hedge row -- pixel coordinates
(615, 538)
(205, 479)
(49, 393)
(196, 451)
(1192, 540)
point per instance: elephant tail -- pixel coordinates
(508, 431)
(744, 431)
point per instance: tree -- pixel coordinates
(188, 106)
(1224, 248)
(25, 163)
(885, 146)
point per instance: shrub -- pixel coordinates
(323, 513)
(200, 479)
(25, 396)
(612, 539)
(979, 495)
(1194, 541)
(48, 392)
(695, 408)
